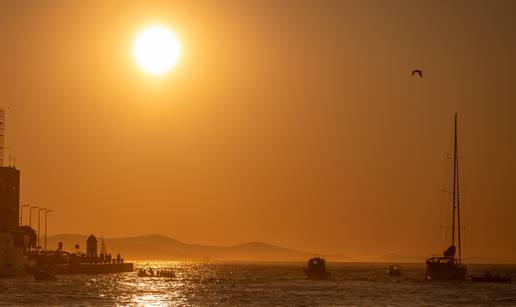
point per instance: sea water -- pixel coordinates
(259, 284)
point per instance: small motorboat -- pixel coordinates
(394, 270)
(488, 277)
(44, 275)
(316, 269)
(157, 274)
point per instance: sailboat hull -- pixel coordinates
(443, 268)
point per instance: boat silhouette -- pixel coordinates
(489, 277)
(448, 266)
(394, 270)
(44, 274)
(316, 269)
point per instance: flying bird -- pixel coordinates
(417, 71)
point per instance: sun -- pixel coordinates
(156, 49)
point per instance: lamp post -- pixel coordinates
(39, 221)
(47, 211)
(30, 215)
(21, 214)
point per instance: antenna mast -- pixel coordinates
(454, 179)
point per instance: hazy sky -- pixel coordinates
(291, 122)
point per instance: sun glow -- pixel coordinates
(156, 49)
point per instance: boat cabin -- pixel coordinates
(316, 269)
(394, 270)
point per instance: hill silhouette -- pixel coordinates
(159, 247)
(396, 258)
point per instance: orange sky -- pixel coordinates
(291, 122)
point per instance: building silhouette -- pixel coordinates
(9, 198)
(91, 245)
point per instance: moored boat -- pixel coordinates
(494, 278)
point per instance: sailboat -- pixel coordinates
(448, 266)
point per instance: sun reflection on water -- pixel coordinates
(159, 291)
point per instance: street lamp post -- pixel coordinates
(47, 211)
(39, 221)
(30, 215)
(21, 214)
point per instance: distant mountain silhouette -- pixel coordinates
(487, 260)
(396, 258)
(158, 247)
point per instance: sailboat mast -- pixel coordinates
(454, 178)
(458, 190)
